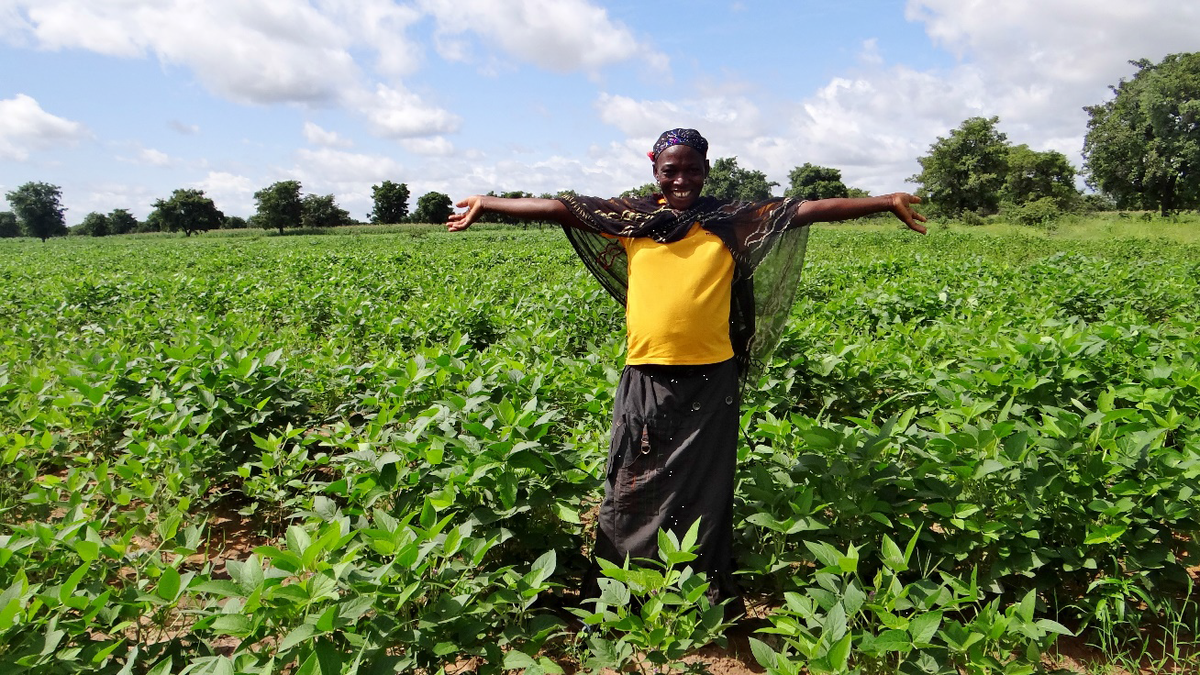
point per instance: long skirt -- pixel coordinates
(672, 460)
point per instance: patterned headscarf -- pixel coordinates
(688, 137)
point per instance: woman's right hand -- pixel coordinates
(461, 221)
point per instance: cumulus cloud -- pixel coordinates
(152, 157)
(24, 126)
(558, 35)
(398, 113)
(250, 52)
(185, 129)
(315, 135)
(436, 146)
(232, 193)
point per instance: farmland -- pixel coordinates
(378, 452)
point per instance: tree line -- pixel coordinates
(37, 211)
(1141, 151)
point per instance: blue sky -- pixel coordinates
(119, 102)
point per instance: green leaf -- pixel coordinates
(1105, 534)
(168, 584)
(923, 627)
(515, 660)
(302, 632)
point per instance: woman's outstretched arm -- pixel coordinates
(525, 208)
(830, 210)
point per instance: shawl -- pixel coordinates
(767, 250)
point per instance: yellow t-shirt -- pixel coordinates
(677, 311)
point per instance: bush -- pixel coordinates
(1042, 212)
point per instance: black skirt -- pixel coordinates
(672, 460)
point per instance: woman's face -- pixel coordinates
(680, 171)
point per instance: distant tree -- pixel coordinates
(1034, 175)
(391, 202)
(323, 211)
(8, 225)
(1143, 147)
(644, 190)
(858, 193)
(433, 207)
(39, 210)
(152, 223)
(810, 181)
(966, 170)
(121, 221)
(1095, 201)
(279, 205)
(94, 224)
(187, 210)
(233, 223)
(727, 180)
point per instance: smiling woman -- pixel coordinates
(706, 285)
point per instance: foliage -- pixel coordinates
(645, 190)
(313, 454)
(846, 620)
(1038, 213)
(323, 211)
(1143, 146)
(94, 225)
(234, 223)
(121, 221)
(391, 202)
(726, 180)
(1034, 176)
(39, 210)
(186, 210)
(648, 618)
(279, 206)
(8, 225)
(810, 181)
(433, 207)
(966, 170)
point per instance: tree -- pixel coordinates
(815, 182)
(645, 190)
(391, 202)
(967, 170)
(233, 223)
(39, 210)
(433, 207)
(188, 210)
(1034, 175)
(9, 227)
(121, 221)
(727, 180)
(323, 211)
(94, 224)
(1142, 148)
(279, 205)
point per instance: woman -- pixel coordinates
(707, 285)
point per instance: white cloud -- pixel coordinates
(558, 35)
(232, 193)
(398, 113)
(24, 126)
(185, 129)
(315, 135)
(435, 146)
(252, 52)
(153, 157)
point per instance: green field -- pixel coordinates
(377, 451)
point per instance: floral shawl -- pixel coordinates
(767, 249)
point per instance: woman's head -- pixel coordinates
(680, 166)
